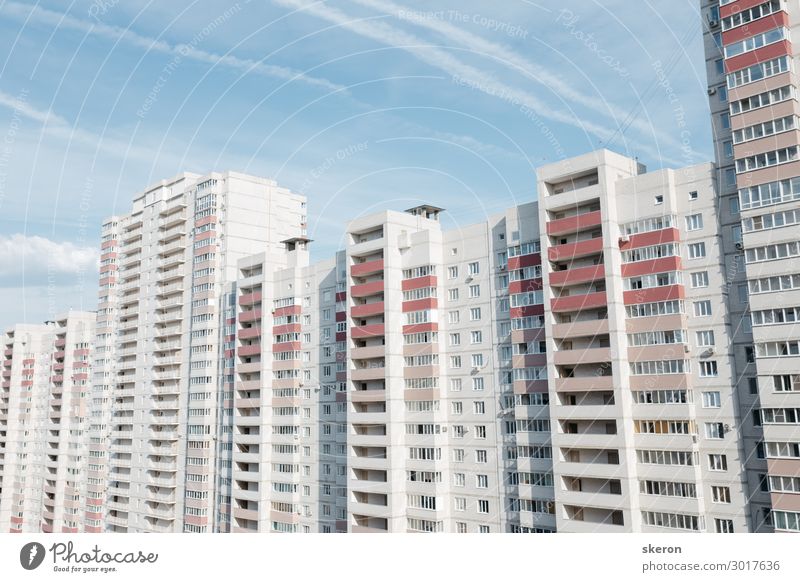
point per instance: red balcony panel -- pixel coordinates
(366, 268)
(248, 332)
(81, 352)
(524, 285)
(420, 327)
(785, 501)
(341, 296)
(341, 316)
(26, 383)
(206, 249)
(575, 276)
(80, 364)
(341, 397)
(527, 311)
(366, 309)
(366, 289)
(573, 223)
(76, 377)
(250, 350)
(286, 347)
(341, 376)
(229, 353)
(531, 260)
(375, 330)
(47, 528)
(108, 244)
(420, 304)
(93, 529)
(250, 298)
(107, 268)
(755, 27)
(252, 315)
(30, 361)
(578, 302)
(739, 6)
(419, 283)
(286, 328)
(651, 266)
(760, 55)
(648, 239)
(15, 519)
(205, 235)
(341, 336)
(288, 310)
(570, 251)
(205, 220)
(666, 293)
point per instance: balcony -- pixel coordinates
(368, 352)
(584, 384)
(588, 328)
(570, 303)
(367, 289)
(365, 331)
(250, 298)
(572, 224)
(251, 315)
(582, 356)
(248, 350)
(370, 373)
(583, 248)
(367, 309)
(580, 275)
(366, 268)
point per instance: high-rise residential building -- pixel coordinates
(46, 379)
(160, 414)
(562, 366)
(752, 87)
(565, 365)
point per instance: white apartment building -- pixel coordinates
(46, 378)
(163, 311)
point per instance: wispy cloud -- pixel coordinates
(37, 258)
(530, 69)
(466, 74)
(46, 17)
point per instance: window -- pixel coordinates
(455, 339)
(702, 308)
(475, 314)
(453, 317)
(452, 272)
(723, 525)
(711, 400)
(694, 221)
(460, 504)
(475, 337)
(705, 338)
(720, 494)
(482, 481)
(708, 369)
(715, 430)
(459, 479)
(697, 250)
(483, 506)
(474, 291)
(452, 294)
(478, 407)
(717, 463)
(693, 195)
(455, 361)
(477, 360)
(477, 384)
(659, 199)
(473, 268)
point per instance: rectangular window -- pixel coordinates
(699, 279)
(697, 250)
(711, 400)
(702, 308)
(694, 222)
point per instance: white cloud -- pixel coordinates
(116, 33)
(34, 259)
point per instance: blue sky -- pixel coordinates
(358, 104)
